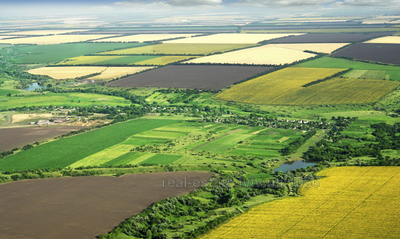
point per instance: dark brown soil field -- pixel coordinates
(16, 137)
(329, 38)
(386, 53)
(82, 207)
(193, 77)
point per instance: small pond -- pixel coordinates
(33, 87)
(293, 166)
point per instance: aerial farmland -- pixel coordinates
(199, 119)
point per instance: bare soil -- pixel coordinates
(386, 53)
(17, 137)
(82, 207)
(193, 77)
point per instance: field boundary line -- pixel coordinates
(326, 234)
(327, 200)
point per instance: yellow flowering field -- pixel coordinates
(350, 202)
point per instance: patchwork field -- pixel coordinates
(263, 55)
(361, 193)
(386, 40)
(114, 72)
(123, 60)
(145, 37)
(179, 49)
(286, 87)
(271, 88)
(61, 99)
(44, 32)
(51, 53)
(54, 39)
(315, 47)
(386, 53)
(71, 72)
(329, 38)
(78, 206)
(230, 38)
(185, 76)
(341, 91)
(390, 72)
(72, 149)
(17, 137)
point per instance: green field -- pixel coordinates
(50, 53)
(61, 99)
(370, 70)
(4, 92)
(162, 159)
(179, 49)
(122, 60)
(66, 151)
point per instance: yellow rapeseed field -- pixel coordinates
(351, 202)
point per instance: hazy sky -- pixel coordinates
(33, 7)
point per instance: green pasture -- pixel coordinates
(61, 99)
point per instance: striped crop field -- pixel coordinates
(345, 204)
(286, 87)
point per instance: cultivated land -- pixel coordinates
(79, 207)
(73, 149)
(114, 72)
(55, 39)
(11, 138)
(231, 38)
(179, 49)
(67, 72)
(367, 198)
(51, 53)
(263, 55)
(314, 47)
(193, 77)
(388, 72)
(291, 91)
(123, 60)
(145, 37)
(386, 53)
(319, 30)
(43, 32)
(386, 40)
(61, 99)
(341, 91)
(328, 38)
(70, 72)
